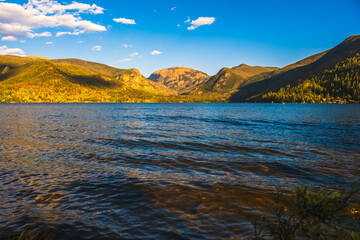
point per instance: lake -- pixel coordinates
(166, 171)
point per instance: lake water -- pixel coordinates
(166, 171)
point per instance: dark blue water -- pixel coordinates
(166, 171)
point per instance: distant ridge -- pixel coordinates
(180, 79)
(248, 71)
(227, 81)
(39, 58)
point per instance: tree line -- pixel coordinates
(340, 84)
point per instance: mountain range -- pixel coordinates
(329, 76)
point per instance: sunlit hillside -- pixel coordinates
(33, 79)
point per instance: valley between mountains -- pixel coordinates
(331, 76)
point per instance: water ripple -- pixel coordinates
(166, 171)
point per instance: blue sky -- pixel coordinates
(151, 35)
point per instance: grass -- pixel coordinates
(29, 234)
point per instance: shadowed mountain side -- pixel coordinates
(9, 65)
(95, 81)
(14, 61)
(132, 77)
(180, 79)
(227, 81)
(256, 87)
(46, 74)
(269, 74)
(92, 66)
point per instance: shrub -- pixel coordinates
(310, 216)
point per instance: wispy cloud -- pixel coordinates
(201, 21)
(156, 52)
(96, 48)
(134, 54)
(124, 60)
(188, 20)
(173, 9)
(9, 38)
(44, 34)
(124, 20)
(125, 45)
(59, 34)
(22, 21)
(49, 43)
(4, 50)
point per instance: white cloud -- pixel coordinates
(9, 38)
(178, 25)
(124, 20)
(125, 45)
(200, 22)
(173, 9)
(96, 48)
(21, 21)
(124, 60)
(134, 54)
(156, 52)
(59, 34)
(188, 20)
(4, 50)
(44, 34)
(53, 7)
(49, 43)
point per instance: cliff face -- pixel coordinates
(180, 79)
(134, 79)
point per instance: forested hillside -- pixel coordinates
(290, 75)
(340, 84)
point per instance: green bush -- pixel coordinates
(309, 216)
